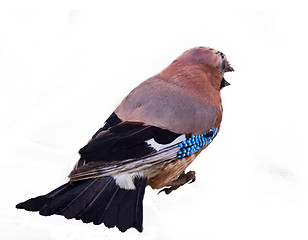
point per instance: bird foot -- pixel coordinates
(184, 178)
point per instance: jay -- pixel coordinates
(150, 139)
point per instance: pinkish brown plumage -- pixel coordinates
(150, 139)
(190, 86)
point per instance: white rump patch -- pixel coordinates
(126, 180)
(158, 146)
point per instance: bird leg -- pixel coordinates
(184, 178)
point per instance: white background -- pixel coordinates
(64, 67)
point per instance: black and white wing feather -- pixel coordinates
(126, 147)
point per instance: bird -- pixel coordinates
(150, 139)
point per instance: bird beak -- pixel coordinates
(229, 69)
(224, 83)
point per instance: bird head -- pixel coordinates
(209, 57)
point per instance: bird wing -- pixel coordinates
(124, 147)
(130, 147)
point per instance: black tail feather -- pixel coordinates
(139, 206)
(127, 213)
(59, 202)
(98, 204)
(83, 199)
(35, 204)
(97, 200)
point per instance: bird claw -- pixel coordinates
(184, 178)
(167, 190)
(192, 180)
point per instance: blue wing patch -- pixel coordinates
(195, 143)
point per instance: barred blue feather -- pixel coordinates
(196, 142)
